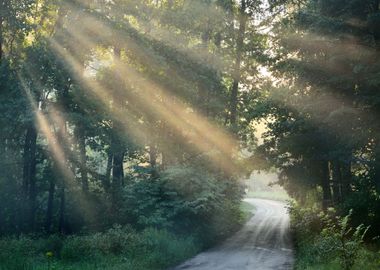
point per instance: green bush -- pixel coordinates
(186, 200)
(327, 241)
(174, 216)
(117, 248)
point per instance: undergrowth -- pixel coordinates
(325, 241)
(118, 248)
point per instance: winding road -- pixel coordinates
(264, 243)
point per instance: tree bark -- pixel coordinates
(107, 180)
(63, 101)
(203, 93)
(49, 208)
(153, 159)
(117, 170)
(1, 37)
(83, 159)
(117, 145)
(377, 169)
(346, 177)
(237, 67)
(152, 156)
(325, 183)
(29, 174)
(62, 221)
(2, 8)
(337, 181)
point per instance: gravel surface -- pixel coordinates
(264, 243)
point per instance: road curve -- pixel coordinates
(264, 243)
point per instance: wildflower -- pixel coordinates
(49, 254)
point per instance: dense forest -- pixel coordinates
(132, 123)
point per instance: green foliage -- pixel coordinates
(325, 240)
(118, 248)
(185, 199)
(322, 107)
(167, 248)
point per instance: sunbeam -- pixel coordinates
(58, 152)
(178, 115)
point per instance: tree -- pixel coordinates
(322, 129)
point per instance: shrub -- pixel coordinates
(326, 238)
(117, 248)
(347, 240)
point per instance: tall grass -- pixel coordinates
(118, 248)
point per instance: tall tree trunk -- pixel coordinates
(62, 220)
(117, 145)
(29, 174)
(117, 180)
(203, 93)
(237, 68)
(377, 169)
(346, 179)
(2, 9)
(49, 207)
(152, 156)
(337, 181)
(63, 101)
(32, 187)
(325, 183)
(82, 158)
(107, 179)
(153, 159)
(117, 170)
(1, 36)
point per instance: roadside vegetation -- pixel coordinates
(121, 130)
(167, 225)
(326, 241)
(119, 248)
(248, 210)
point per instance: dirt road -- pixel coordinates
(262, 244)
